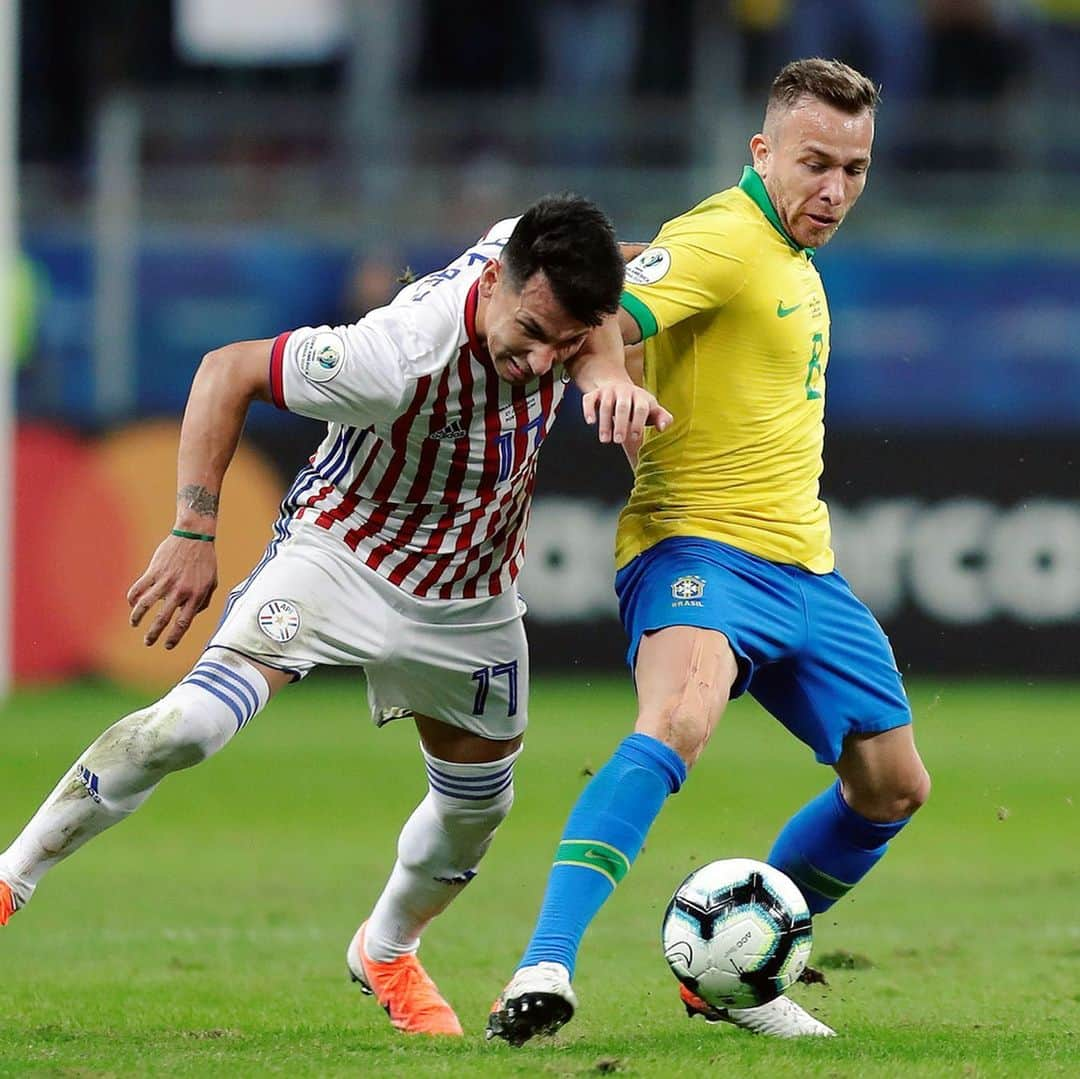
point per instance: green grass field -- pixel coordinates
(205, 936)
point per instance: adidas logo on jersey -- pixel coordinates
(451, 432)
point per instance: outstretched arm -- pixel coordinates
(620, 409)
(182, 573)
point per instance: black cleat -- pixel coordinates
(538, 1000)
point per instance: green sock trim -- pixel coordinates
(813, 878)
(607, 860)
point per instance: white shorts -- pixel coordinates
(311, 602)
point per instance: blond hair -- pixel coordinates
(830, 81)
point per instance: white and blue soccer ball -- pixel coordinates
(737, 933)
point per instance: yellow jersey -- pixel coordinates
(736, 330)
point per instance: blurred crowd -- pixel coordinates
(584, 52)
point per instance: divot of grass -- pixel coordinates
(841, 959)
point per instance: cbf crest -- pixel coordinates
(687, 591)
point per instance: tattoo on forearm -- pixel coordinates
(199, 499)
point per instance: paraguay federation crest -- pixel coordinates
(279, 620)
(687, 590)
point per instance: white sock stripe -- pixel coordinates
(222, 693)
(242, 696)
(472, 782)
(454, 770)
(249, 693)
(468, 782)
(471, 794)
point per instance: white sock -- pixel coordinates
(119, 771)
(438, 850)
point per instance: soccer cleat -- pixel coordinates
(780, 1018)
(7, 903)
(538, 1000)
(404, 989)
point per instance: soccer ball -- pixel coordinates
(737, 933)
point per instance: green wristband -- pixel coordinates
(192, 535)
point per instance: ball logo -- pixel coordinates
(680, 953)
(649, 266)
(320, 356)
(279, 620)
(689, 587)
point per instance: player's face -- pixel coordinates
(814, 159)
(527, 332)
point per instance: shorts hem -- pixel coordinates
(295, 672)
(382, 717)
(742, 660)
(890, 723)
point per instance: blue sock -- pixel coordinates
(603, 835)
(827, 848)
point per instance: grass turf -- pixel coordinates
(205, 936)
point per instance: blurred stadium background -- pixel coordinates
(191, 173)
(195, 172)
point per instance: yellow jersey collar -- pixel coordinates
(754, 186)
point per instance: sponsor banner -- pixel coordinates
(966, 549)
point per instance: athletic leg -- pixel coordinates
(470, 792)
(830, 845)
(836, 839)
(121, 768)
(684, 677)
(843, 696)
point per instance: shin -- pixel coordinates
(120, 769)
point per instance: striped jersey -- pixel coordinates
(429, 460)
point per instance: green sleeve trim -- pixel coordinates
(637, 310)
(607, 860)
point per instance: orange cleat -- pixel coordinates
(779, 1018)
(403, 988)
(7, 903)
(694, 1005)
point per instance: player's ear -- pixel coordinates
(489, 278)
(759, 150)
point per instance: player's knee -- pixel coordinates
(892, 797)
(449, 836)
(473, 821)
(913, 793)
(455, 824)
(682, 725)
(157, 739)
(686, 698)
(170, 739)
(907, 789)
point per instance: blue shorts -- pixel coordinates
(808, 651)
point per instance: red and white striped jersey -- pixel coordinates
(429, 460)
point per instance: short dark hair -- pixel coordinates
(831, 81)
(573, 243)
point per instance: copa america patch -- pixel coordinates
(320, 356)
(649, 266)
(686, 591)
(279, 620)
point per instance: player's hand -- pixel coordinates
(181, 577)
(621, 411)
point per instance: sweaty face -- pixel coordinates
(527, 332)
(813, 159)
